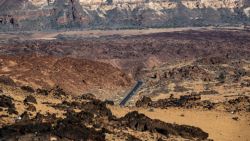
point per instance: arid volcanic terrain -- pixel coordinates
(68, 85)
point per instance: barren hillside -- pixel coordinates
(106, 14)
(75, 76)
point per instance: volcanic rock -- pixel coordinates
(30, 99)
(31, 108)
(6, 102)
(7, 80)
(140, 122)
(28, 89)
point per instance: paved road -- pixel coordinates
(131, 93)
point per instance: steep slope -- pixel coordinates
(56, 14)
(75, 76)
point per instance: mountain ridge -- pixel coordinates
(115, 14)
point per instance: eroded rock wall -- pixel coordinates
(57, 14)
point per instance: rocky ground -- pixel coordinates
(32, 115)
(196, 86)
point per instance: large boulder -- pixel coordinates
(140, 122)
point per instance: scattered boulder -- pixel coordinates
(221, 77)
(81, 116)
(97, 107)
(109, 102)
(235, 118)
(143, 102)
(77, 131)
(7, 80)
(190, 72)
(245, 83)
(28, 89)
(30, 99)
(91, 123)
(6, 102)
(12, 111)
(238, 104)
(31, 108)
(87, 96)
(185, 101)
(58, 92)
(24, 116)
(140, 122)
(194, 101)
(42, 92)
(207, 104)
(58, 128)
(133, 138)
(238, 73)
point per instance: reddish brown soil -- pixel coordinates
(75, 76)
(132, 53)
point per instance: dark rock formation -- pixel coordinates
(28, 89)
(68, 128)
(194, 101)
(7, 81)
(30, 99)
(93, 122)
(140, 122)
(7, 102)
(31, 108)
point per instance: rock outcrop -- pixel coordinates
(89, 119)
(57, 14)
(240, 104)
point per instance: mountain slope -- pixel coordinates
(75, 76)
(56, 14)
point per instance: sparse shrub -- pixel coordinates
(31, 108)
(238, 74)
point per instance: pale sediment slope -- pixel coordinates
(55, 14)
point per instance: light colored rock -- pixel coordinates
(247, 11)
(125, 13)
(39, 3)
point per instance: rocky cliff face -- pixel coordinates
(56, 14)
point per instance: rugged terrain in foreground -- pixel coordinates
(196, 85)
